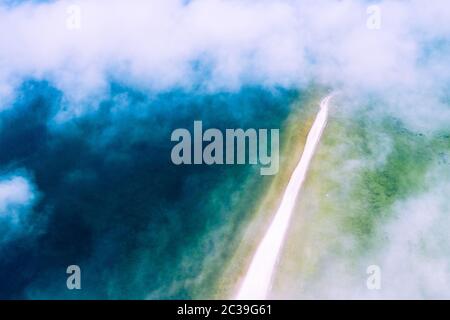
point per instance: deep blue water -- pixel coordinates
(111, 201)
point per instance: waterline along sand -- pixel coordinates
(257, 281)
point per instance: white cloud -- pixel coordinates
(17, 196)
(416, 264)
(14, 191)
(149, 43)
(155, 45)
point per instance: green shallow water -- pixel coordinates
(364, 168)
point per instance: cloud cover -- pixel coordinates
(199, 47)
(17, 196)
(222, 45)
